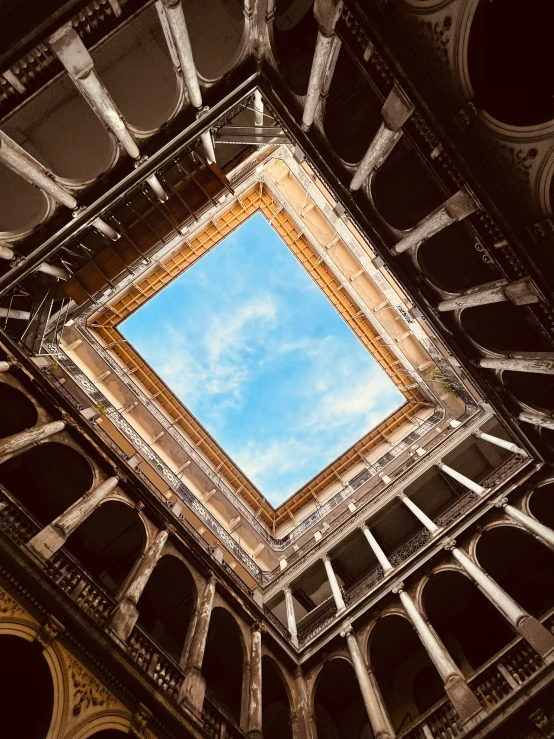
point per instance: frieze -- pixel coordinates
(87, 692)
(10, 606)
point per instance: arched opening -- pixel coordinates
(47, 479)
(223, 662)
(17, 413)
(512, 87)
(398, 658)
(532, 389)
(26, 689)
(22, 206)
(521, 565)
(541, 504)
(352, 111)
(108, 543)
(450, 260)
(275, 703)
(338, 704)
(295, 34)
(402, 190)
(454, 606)
(502, 327)
(166, 605)
(215, 29)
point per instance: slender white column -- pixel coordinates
(509, 445)
(376, 549)
(334, 583)
(53, 271)
(456, 208)
(465, 703)
(380, 724)
(16, 444)
(258, 109)
(418, 513)
(157, 188)
(4, 366)
(73, 54)
(531, 524)
(18, 160)
(255, 704)
(537, 418)
(470, 484)
(105, 229)
(50, 539)
(521, 292)
(291, 618)
(20, 315)
(396, 111)
(541, 363)
(534, 632)
(179, 32)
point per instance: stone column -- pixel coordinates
(396, 111)
(291, 618)
(11, 446)
(540, 363)
(73, 54)
(532, 631)
(255, 705)
(463, 700)
(125, 614)
(302, 726)
(521, 292)
(334, 583)
(193, 687)
(50, 539)
(175, 16)
(419, 514)
(539, 419)
(531, 524)
(327, 13)
(456, 208)
(474, 486)
(376, 549)
(509, 445)
(380, 724)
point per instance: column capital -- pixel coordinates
(478, 433)
(401, 495)
(501, 502)
(347, 630)
(449, 544)
(287, 589)
(325, 557)
(398, 588)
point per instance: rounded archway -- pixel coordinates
(454, 605)
(22, 206)
(501, 327)
(512, 87)
(541, 504)
(216, 28)
(25, 682)
(402, 191)
(276, 710)
(108, 543)
(222, 666)
(536, 391)
(398, 658)
(167, 603)
(352, 111)
(17, 412)
(294, 35)
(47, 479)
(338, 704)
(520, 564)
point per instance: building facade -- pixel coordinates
(147, 585)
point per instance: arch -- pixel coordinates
(276, 705)
(338, 704)
(402, 191)
(22, 206)
(58, 471)
(501, 327)
(541, 504)
(512, 87)
(397, 657)
(352, 111)
(294, 39)
(17, 412)
(451, 261)
(224, 657)
(520, 564)
(216, 29)
(109, 542)
(167, 604)
(454, 605)
(26, 673)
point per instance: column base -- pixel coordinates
(464, 701)
(123, 619)
(538, 637)
(193, 690)
(45, 544)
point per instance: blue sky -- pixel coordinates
(254, 349)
